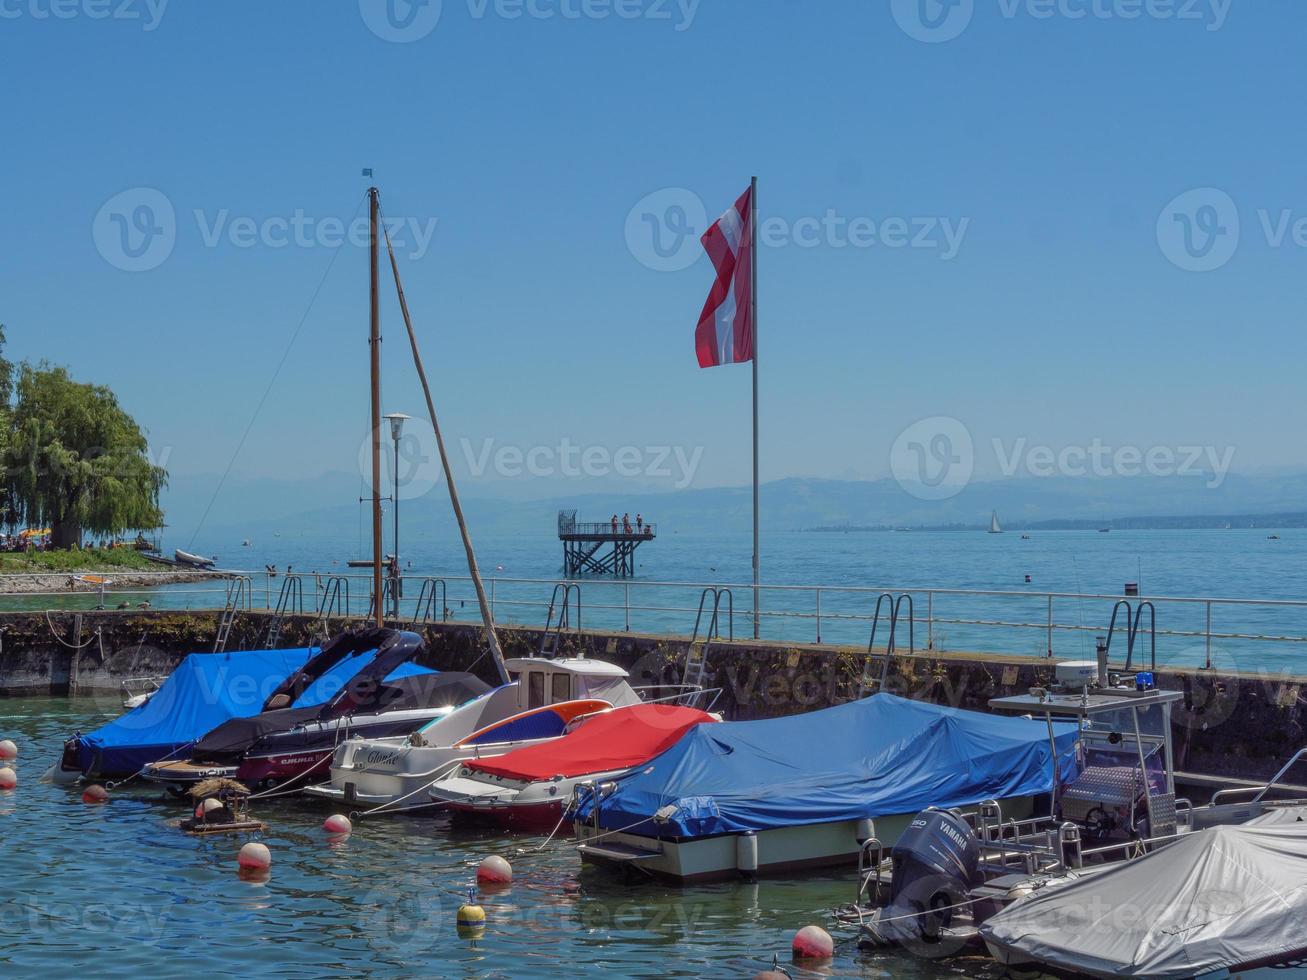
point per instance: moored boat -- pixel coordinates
(373, 686)
(529, 788)
(202, 692)
(542, 700)
(811, 790)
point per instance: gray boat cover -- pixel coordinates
(1221, 898)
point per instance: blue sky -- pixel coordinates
(1051, 144)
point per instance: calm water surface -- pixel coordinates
(119, 890)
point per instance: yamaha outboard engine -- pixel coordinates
(936, 862)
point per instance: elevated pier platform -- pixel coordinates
(601, 548)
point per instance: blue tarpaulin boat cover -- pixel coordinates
(876, 757)
(205, 690)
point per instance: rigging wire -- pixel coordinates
(271, 382)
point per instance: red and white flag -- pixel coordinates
(725, 331)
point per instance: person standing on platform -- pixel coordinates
(614, 523)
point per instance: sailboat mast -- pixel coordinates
(374, 341)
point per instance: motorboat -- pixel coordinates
(543, 699)
(529, 788)
(1115, 806)
(1221, 901)
(383, 693)
(202, 692)
(812, 790)
(199, 561)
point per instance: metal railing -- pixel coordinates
(1203, 631)
(588, 529)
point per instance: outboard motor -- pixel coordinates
(936, 862)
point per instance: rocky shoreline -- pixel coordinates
(34, 582)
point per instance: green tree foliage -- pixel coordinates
(75, 460)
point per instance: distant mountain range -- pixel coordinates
(248, 506)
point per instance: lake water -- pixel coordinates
(119, 890)
(1241, 563)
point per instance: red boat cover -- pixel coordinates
(618, 739)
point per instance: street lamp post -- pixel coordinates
(396, 420)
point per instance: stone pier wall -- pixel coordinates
(1240, 725)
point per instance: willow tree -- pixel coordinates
(77, 462)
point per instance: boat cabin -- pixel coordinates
(542, 682)
(1124, 784)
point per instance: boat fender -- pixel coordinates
(746, 853)
(866, 830)
(812, 943)
(471, 920)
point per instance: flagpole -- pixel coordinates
(753, 266)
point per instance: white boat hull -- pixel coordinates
(779, 851)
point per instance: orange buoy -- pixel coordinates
(8, 778)
(494, 870)
(254, 857)
(8, 750)
(337, 823)
(812, 943)
(95, 793)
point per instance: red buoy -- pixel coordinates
(812, 943)
(207, 806)
(95, 793)
(337, 823)
(8, 778)
(494, 870)
(254, 857)
(8, 750)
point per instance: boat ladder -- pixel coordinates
(561, 603)
(424, 611)
(289, 602)
(870, 682)
(335, 602)
(1134, 618)
(238, 598)
(696, 654)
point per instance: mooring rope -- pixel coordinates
(443, 771)
(71, 646)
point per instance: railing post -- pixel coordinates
(1050, 624)
(819, 615)
(1209, 634)
(627, 590)
(930, 621)
(492, 598)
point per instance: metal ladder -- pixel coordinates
(1134, 618)
(422, 612)
(289, 602)
(696, 654)
(560, 601)
(335, 601)
(238, 598)
(895, 607)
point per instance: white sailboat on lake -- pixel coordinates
(994, 526)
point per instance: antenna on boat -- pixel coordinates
(496, 653)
